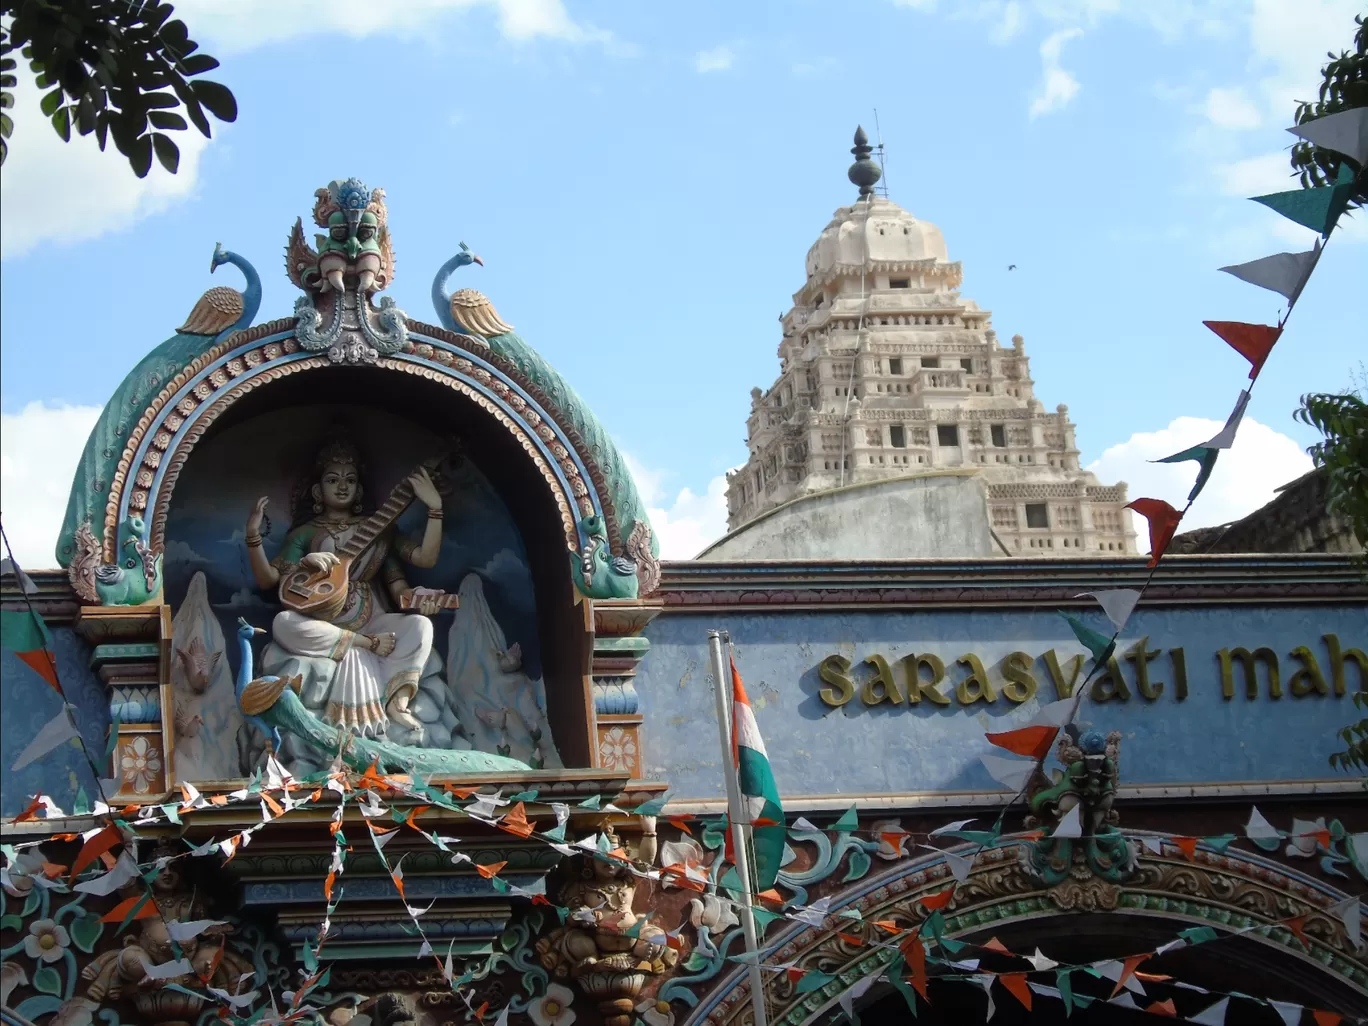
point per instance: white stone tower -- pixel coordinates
(885, 372)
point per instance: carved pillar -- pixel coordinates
(131, 653)
(618, 649)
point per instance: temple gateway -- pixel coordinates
(360, 694)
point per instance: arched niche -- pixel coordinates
(242, 420)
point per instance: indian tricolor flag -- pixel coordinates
(759, 794)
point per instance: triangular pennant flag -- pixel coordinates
(1010, 773)
(993, 944)
(1225, 438)
(1095, 642)
(654, 807)
(914, 953)
(1350, 914)
(1117, 603)
(1260, 829)
(515, 821)
(24, 633)
(1187, 845)
(1164, 1007)
(813, 980)
(1252, 341)
(803, 824)
(1163, 521)
(57, 731)
(1128, 968)
(490, 870)
(1066, 993)
(960, 865)
(814, 914)
(949, 828)
(1040, 962)
(985, 980)
(1318, 208)
(1198, 934)
(1291, 1014)
(939, 899)
(1123, 999)
(1034, 742)
(1016, 986)
(1214, 1015)
(1070, 825)
(1219, 843)
(763, 917)
(1326, 1018)
(1205, 456)
(556, 833)
(1283, 273)
(850, 819)
(1345, 132)
(592, 802)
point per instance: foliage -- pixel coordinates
(1342, 418)
(1356, 737)
(1344, 86)
(120, 69)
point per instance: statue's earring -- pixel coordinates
(356, 506)
(318, 500)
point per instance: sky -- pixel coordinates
(643, 182)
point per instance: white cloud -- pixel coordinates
(1057, 86)
(690, 522)
(1257, 176)
(719, 58)
(54, 191)
(1246, 476)
(1007, 23)
(1290, 38)
(248, 24)
(40, 447)
(1231, 108)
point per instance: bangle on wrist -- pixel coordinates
(435, 513)
(254, 541)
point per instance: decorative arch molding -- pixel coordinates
(1234, 890)
(193, 399)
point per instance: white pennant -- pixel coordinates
(236, 1000)
(1117, 603)
(1124, 1000)
(1225, 438)
(1010, 773)
(1351, 916)
(959, 824)
(124, 870)
(425, 949)
(816, 913)
(1358, 844)
(1345, 132)
(1291, 1014)
(182, 932)
(1284, 273)
(804, 824)
(167, 970)
(960, 865)
(1040, 962)
(58, 730)
(1215, 1015)
(985, 980)
(1154, 844)
(1070, 825)
(1045, 990)
(26, 585)
(1260, 829)
(562, 812)
(502, 1020)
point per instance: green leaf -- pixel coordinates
(140, 155)
(61, 123)
(51, 102)
(217, 99)
(85, 932)
(160, 101)
(168, 120)
(31, 903)
(47, 981)
(508, 940)
(196, 64)
(10, 922)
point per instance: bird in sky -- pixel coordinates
(1011, 267)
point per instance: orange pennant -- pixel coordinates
(794, 974)
(1297, 926)
(1034, 742)
(66, 837)
(1164, 1007)
(516, 821)
(772, 896)
(1188, 846)
(214, 964)
(914, 953)
(414, 814)
(1032, 835)
(459, 792)
(94, 848)
(1016, 985)
(117, 913)
(218, 799)
(1252, 341)
(888, 926)
(850, 938)
(43, 663)
(1128, 968)
(30, 812)
(938, 900)
(1324, 1018)
(274, 805)
(490, 871)
(328, 885)
(994, 944)
(680, 823)
(1163, 521)
(480, 1012)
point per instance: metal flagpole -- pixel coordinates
(741, 849)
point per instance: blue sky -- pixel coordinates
(643, 181)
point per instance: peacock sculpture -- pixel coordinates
(256, 694)
(465, 311)
(596, 572)
(224, 309)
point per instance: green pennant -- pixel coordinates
(984, 838)
(894, 973)
(1204, 456)
(654, 807)
(137, 907)
(811, 980)
(763, 917)
(1198, 934)
(562, 913)
(172, 811)
(82, 804)
(556, 833)
(524, 796)
(113, 738)
(935, 925)
(731, 881)
(1066, 993)
(1220, 843)
(850, 913)
(498, 884)
(848, 822)
(1095, 642)
(1317, 209)
(604, 845)
(592, 802)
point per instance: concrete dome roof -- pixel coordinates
(876, 229)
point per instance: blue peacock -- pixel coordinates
(224, 309)
(465, 311)
(247, 685)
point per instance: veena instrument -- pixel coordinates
(323, 595)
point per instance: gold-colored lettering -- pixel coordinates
(1338, 657)
(917, 687)
(887, 691)
(1179, 660)
(1021, 684)
(1111, 685)
(1309, 678)
(840, 689)
(1228, 656)
(1063, 689)
(1137, 655)
(983, 692)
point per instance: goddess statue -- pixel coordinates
(379, 654)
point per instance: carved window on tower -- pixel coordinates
(1019, 435)
(1055, 439)
(1067, 517)
(930, 361)
(873, 436)
(900, 283)
(897, 436)
(1107, 519)
(975, 435)
(947, 434)
(1005, 517)
(920, 436)
(895, 365)
(1037, 514)
(999, 435)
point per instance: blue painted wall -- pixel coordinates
(27, 702)
(857, 749)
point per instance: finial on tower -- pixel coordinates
(864, 172)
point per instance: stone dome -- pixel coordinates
(874, 229)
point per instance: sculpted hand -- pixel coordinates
(255, 517)
(424, 489)
(321, 562)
